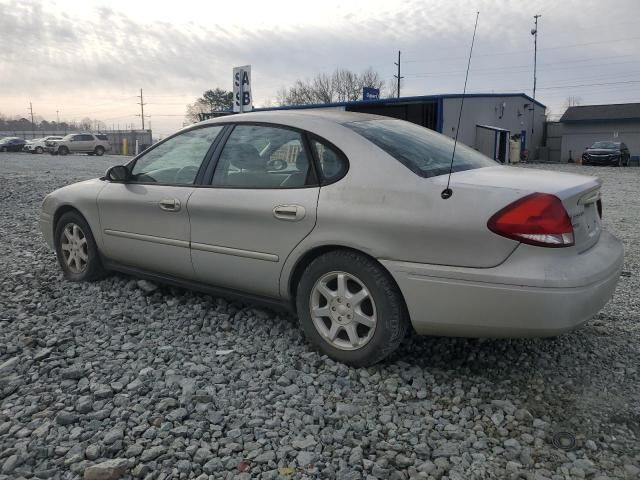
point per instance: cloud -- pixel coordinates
(83, 50)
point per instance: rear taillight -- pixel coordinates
(537, 219)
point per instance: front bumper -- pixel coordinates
(611, 160)
(532, 294)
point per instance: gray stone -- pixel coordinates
(66, 418)
(152, 453)
(107, 470)
(446, 450)
(11, 463)
(113, 435)
(306, 458)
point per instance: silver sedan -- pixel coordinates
(341, 217)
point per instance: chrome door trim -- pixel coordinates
(205, 247)
(148, 238)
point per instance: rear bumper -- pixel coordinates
(532, 294)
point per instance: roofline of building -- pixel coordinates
(600, 120)
(401, 100)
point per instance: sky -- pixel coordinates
(76, 59)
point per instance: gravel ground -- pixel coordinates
(116, 379)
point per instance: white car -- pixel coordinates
(37, 145)
(344, 218)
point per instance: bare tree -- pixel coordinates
(572, 101)
(341, 86)
(392, 89)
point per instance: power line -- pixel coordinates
(557, 47)
(523, 68)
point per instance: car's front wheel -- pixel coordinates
(3, 149)
(63, 150)
(350, 308)
(39, 150)
(99, 151)
(76, 249)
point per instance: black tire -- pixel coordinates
(39, 150)
(99, 151)
(94, 269)
(63, 150)
(3, 149)
(392, 319)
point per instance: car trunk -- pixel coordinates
(579, 194)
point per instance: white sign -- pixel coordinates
(242, 100)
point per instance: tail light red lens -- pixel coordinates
(537, 219)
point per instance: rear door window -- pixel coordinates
(423, 151)
(257, 156)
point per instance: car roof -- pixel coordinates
(331, 115)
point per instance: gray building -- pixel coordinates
(585, 124)
(488, 120)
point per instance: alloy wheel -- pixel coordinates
(75, 252)
(343, 310)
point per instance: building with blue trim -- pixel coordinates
(488, 122)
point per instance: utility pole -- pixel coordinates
(398, 76)
(142, 104)
(33, 124)
(534, 32)
(57, 116)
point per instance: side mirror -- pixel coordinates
(118, 173)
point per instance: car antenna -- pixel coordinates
(447, 192)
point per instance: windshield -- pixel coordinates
(607, 145)
(423, 151)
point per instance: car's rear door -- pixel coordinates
(261, 203)
(145, 221)
(75, 143)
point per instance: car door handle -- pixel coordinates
(291, 213)
(170, 205)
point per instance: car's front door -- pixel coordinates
(261, 204)
(145, 221)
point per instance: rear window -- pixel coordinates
(102, 137)
(423, 151)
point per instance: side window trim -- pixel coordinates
(312, 177)
(207, 179)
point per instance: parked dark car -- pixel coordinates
(607, 153)
(12, 144)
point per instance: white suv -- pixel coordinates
(79, 143)
(38, 145)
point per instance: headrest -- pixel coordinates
(247, 157)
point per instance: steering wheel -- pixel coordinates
(190, 170)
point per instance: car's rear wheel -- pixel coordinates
(99, 151)
(3, 149)
(350, 308)
(63, 150)
(76, 249)
(39, 150)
